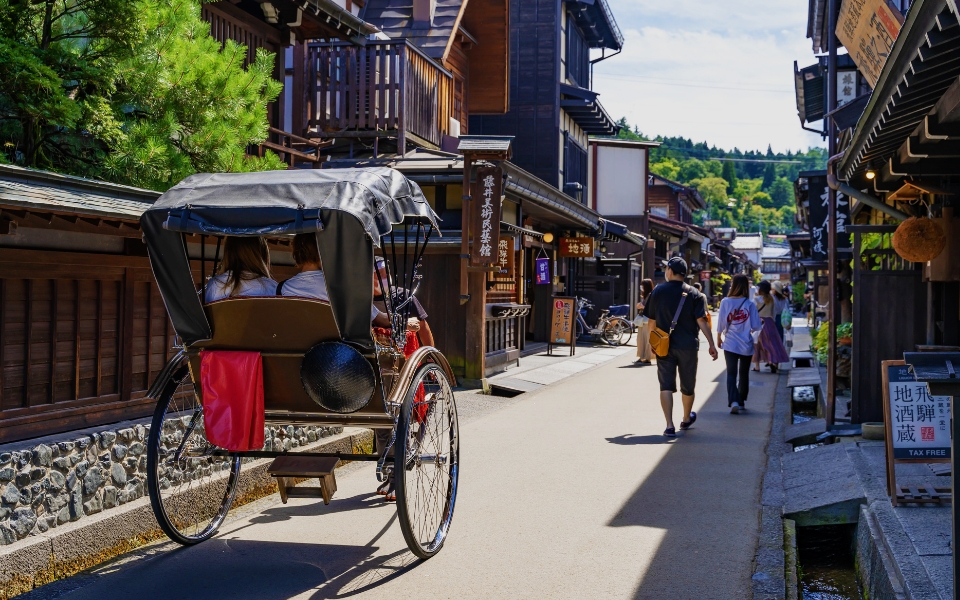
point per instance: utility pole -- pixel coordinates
(834, 310)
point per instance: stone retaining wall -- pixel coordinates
(50, 482)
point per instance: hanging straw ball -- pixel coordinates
(919, 239)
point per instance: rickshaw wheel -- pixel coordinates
(191, 489)
(427, 461)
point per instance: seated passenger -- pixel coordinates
(244, 271)
(310, 281)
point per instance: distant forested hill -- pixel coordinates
(752, 190)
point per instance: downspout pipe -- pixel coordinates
(852, 192)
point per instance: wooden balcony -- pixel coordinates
(382, 90)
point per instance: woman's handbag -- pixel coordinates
(660, 339)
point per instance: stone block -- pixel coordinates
(62, 463)
(119, 451)
(7, 474)
(118, 474)
(22, 521)
(10, 494)
(5, 457)
(81, 468)
(23, 477)
(42, 455)
(804, 433)
(55, 481)
(106, 439)
(109, 497)
(92, 481)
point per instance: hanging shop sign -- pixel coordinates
(505, 257)
(820, 217)
(485, 200)
(868, 29)
(917, 426)
(562, 331)
(704, 275)
(543, 271)
(578, 247)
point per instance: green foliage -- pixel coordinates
(820, 342)
(668, 168)
(798, 291)
(781, 191)
(769, 175)
(136, 91)
(845, 330)
(729, 173)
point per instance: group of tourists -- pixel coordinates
(674, 314)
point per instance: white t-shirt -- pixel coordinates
(260, 286)
(312, 284)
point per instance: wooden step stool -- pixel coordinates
(288, 468)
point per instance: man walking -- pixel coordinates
(677, 301)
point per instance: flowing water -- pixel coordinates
(826, 557)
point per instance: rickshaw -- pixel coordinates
(322, 365)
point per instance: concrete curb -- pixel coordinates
(74, 547)
(770, 566)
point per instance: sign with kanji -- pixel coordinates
(505, 257)
(578, 247)
(485, 216)
(846, 86)
(868, 29)
(919, 424)
(818, 195)
(543, 270)
(562, 319)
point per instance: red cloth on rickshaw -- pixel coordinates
(232, 386)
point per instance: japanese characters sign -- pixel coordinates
(543, 270)
(867, 29)
(818, 195)
(918, 423)
(846, 86)
(578, 247)
(561, 321)
(506, 256)
(485, 216)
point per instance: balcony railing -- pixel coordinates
(383, 89)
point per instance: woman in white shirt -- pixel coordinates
(244, 271)
(310, 281)
(737, 321)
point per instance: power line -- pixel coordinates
(679, 83)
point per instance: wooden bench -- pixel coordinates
(800, 359)
(807, 376)
(287, 469)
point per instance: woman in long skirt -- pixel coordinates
(770, 348)
(644, 351)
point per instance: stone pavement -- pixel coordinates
(567, 492)
(540, 369)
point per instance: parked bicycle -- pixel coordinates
(614, 330)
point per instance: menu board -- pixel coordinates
(918, 424)
(562, 323)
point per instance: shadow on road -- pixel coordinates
(638, 440)
(703, 496)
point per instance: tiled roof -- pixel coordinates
(63, 194)
(395, 19)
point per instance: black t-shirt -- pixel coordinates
(662, 305)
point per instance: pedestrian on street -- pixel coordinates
(770, 347)
(780, 304)
(682, 311)
(738, 320)
(644, 352)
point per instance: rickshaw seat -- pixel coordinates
(282, 329)
(269, 324)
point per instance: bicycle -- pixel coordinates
(611, 330)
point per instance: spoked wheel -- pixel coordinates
(617, 331)
(191, 489)
(426, 461)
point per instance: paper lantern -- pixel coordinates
(919, 239)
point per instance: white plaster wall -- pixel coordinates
(621, 188)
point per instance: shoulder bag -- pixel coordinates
(660, 339)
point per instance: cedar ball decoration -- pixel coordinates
(919, 239)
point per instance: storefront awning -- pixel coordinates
(923, 63)
(584, 108)
(615, 232)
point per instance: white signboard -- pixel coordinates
(919, 423)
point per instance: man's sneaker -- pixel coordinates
(735, 408)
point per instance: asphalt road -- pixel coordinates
(568, 492)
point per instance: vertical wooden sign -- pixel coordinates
(562, 324)
(506, 257)
(485, 215)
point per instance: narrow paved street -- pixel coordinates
(569, 492)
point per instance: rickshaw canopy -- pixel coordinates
(349, 210)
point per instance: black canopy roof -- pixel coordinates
(348, 209)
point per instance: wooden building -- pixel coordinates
(671, 200)
(552, 109)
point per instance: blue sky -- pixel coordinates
(713, 71)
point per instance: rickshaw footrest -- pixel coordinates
(287, 469)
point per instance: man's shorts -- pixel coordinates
(684, 361)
